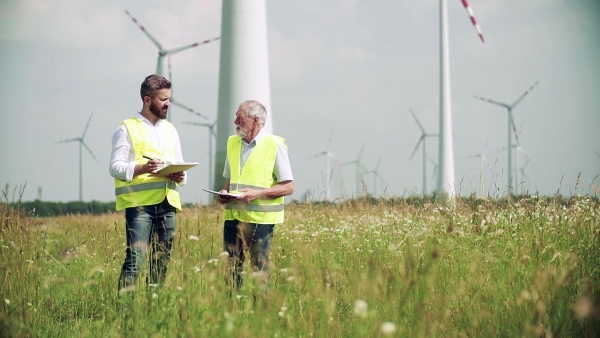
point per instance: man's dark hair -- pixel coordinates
(152, 84)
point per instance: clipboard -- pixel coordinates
(174, 168)
(222, 193)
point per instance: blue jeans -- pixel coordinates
(147, 227)
(254, 239)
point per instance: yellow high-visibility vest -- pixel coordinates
(256, 174)
(145, 189)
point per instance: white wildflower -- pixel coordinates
(360, 308)
(388, 328)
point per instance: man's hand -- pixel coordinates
(177, 177)
(222, 198)
(249, 195)
(151, 166)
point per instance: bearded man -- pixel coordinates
(140, 146)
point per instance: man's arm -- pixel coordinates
(284, 188)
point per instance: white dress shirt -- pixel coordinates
(122, 158)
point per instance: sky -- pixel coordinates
(344, 74)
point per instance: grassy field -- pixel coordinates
(365, 268)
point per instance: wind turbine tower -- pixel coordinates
(244, 70)
(511, 127)
(81, 146)
(422, 139)
(446, 185)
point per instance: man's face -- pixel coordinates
(243, 123)
(159, 104)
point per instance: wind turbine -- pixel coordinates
(358, 166)
(376, 175)
(446, 185)
(482, 160)
(511, 128)
(164, 52)
(422, 139)
(517, 150)
(211, 134)
(328, 156)
(81, 145)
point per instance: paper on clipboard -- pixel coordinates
(174, 168)
(221, 193)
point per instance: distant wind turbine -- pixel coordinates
(328, 156)
(446, 185)
(517, 150)
(164, 52)
(81, 145)
(211, 135)
(422, 140)
(358, 166)
(482, 160)
(511, 128)
(375, 173)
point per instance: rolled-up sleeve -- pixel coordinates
(122, 159)
(283, 169)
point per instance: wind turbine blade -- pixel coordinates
(89, 150)
(380, 177)
(417, 146)
(492, 101)
(198, 124)
(473, 20)
(471, 156)
(525, 94)
(86, 126)
(170, 74)
(180, 49)
(188, 109)
(417, 120)
(145, 31)
(69, 140)
(318, 154)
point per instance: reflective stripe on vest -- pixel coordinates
(145, 189)
(145, 186)
(254, 207)
(256, 174)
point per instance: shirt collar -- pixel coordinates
(141, 117)
(258, 137)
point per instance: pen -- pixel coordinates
(150, 158)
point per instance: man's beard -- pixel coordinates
(239, 132)
(160, 112)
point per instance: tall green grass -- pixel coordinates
(364, 268)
